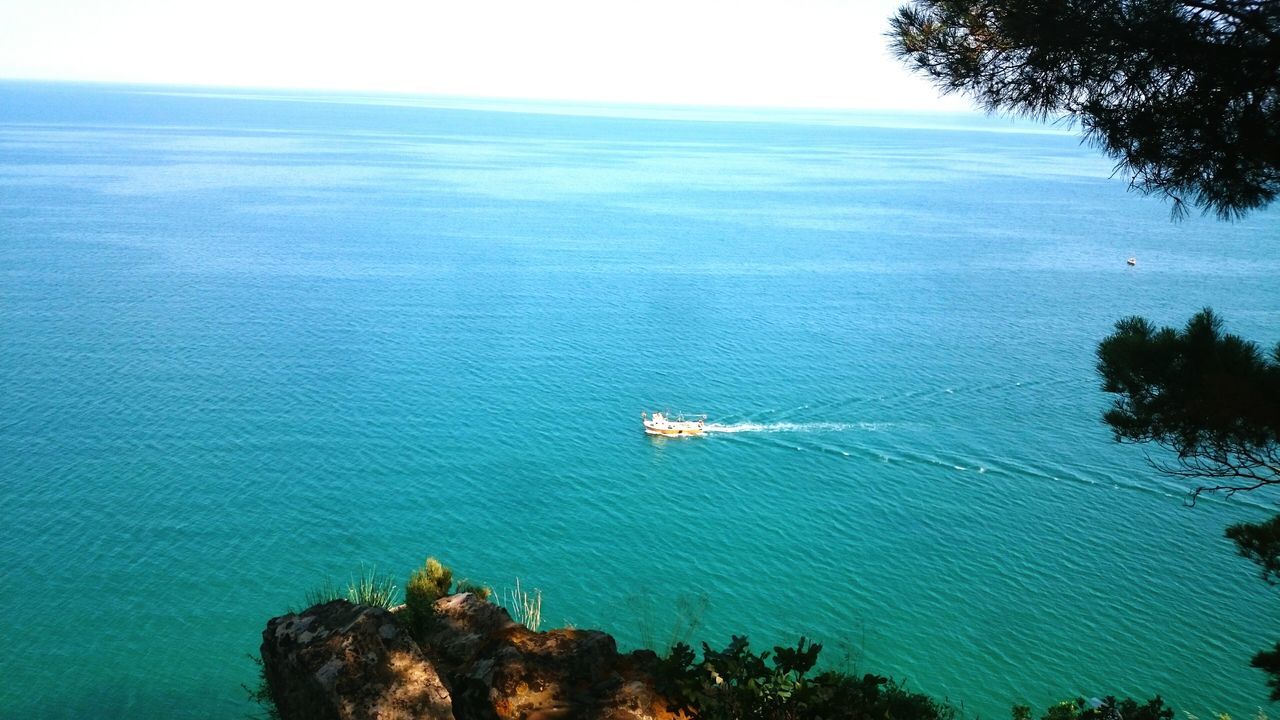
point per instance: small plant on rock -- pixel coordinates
(371, 589)
(261, 692)
(320, 595)
(525, 606)
(427, 584)
(484, 592)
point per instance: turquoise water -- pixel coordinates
(252, 342)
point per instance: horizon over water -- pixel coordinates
(254, 341)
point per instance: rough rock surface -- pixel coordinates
(339, 661)
(342, 661)
(497, 668)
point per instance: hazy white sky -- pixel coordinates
(795, 53)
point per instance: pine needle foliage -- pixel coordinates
(1185, 96)
(1209, 397)
(1212, 399)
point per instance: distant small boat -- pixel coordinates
(1131, 261)
(662, 425)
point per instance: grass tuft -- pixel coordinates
(525, 607)
(318, 596)
(372, 589)
(686, 619)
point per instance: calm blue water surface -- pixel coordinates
(253, 342)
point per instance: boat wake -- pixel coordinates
(789, 427)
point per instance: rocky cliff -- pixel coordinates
(347, 662)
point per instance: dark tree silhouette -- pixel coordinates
(1184, 95)
(1211, 398)
(1268, 661)
(1260, 542)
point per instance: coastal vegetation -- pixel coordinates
(525, 606)
(370, 588)
(1107, 708)
(426, 585)
(1185, 96)
(367, 588)
(1212, 400)
(737, 683)
(732, 683)
(260, 692)
(689, 610)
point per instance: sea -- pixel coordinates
(254, 342)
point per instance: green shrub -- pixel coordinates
(484, 592)
(1104, 709)
(427, 584)
(738, 684)
(1065, 710)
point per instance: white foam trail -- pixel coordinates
(784, 427)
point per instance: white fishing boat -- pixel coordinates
(661, 424)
